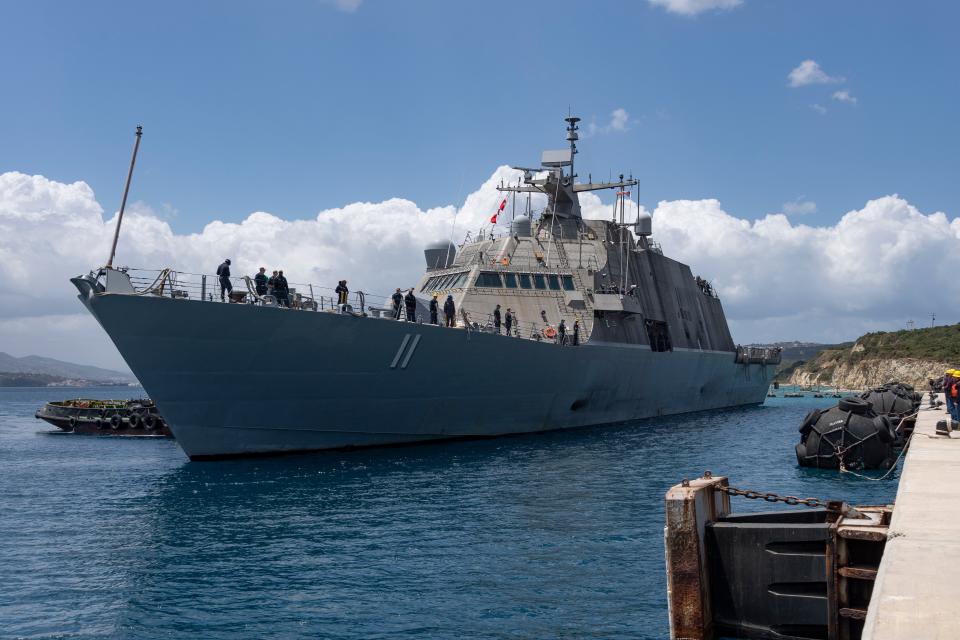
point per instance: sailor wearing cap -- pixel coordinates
(434, 309)
(223, 271)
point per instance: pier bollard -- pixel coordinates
(689, 507)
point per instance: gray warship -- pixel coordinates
(249, 376)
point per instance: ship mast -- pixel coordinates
(572, 137)
(561, 190)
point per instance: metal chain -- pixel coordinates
(773, 497)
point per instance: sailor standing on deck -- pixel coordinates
(434, 309)
(223, 271)
(342, 293)
(562, 333)
(280, 289)
(450, 312)
(508, 320)
(410, 302)
(496, 319)
(576, 332)
(397, 298)
(260, 282)
(270, 282)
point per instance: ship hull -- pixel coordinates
(233, 379)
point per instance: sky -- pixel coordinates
(801, 155)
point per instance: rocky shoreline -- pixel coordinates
(867, 373)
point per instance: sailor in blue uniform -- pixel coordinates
(223, 271)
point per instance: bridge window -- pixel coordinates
(510, 280)
(554, 282)
(461, 279)
(525, 281)
(539, 282)
(568, 283)
(489, 279)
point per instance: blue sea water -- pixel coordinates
(555, 535)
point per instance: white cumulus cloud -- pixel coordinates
(799, 207)
(809, 72)
(693, 7)
(619, 122)
(778, 280)
(844, 96)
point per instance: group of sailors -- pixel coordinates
(275, 285)
(404, 306)
(705, 286)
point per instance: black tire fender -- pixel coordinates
(115, 421)
(854, 405)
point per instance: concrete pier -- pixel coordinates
(915, 590)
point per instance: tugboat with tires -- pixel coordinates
(105, 417)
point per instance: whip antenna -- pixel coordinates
(123, 202)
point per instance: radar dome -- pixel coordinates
(440, 254)
(520, 227)
(644, 224)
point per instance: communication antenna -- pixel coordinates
(910, 324)
(572, 136)
(123, 202)
(933, 319)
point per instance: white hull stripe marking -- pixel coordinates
(413, 347)
(403, 345)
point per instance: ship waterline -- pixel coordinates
(236, 379)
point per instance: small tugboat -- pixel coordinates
(114, 417)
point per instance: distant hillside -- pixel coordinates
(795, 354)
(60, 369)
(910, 356)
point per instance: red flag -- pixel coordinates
(493, 218)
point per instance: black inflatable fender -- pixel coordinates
(812, 416)
(801, 450)
(884, 429)
(854, 405)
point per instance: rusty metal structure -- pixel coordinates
(785, 574)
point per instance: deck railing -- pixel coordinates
(183, 285)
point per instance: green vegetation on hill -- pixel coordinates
(857, 360)
(936, 343)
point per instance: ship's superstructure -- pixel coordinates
(608, 275)
(255, 377)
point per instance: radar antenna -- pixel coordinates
(572, 136)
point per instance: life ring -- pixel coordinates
(550, 332)
(115, 421)
(505, 261)
(134, 420)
